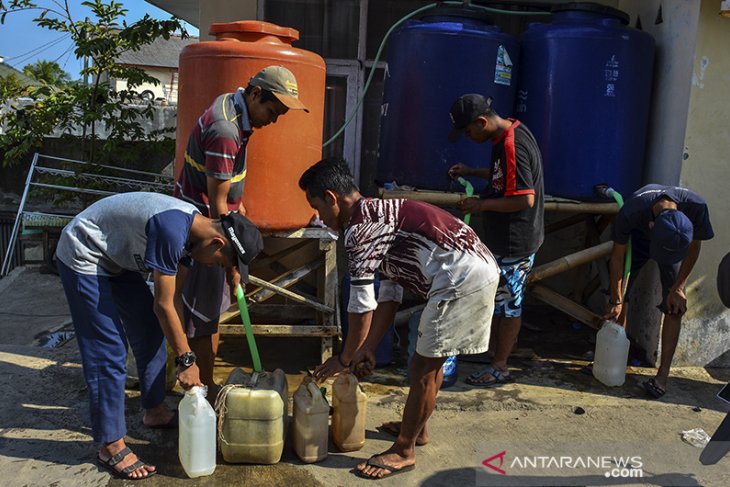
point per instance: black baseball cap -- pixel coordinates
(245, 239)
(465, 110)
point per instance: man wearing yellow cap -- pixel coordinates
(212, 179)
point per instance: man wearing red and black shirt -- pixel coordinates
(512, 212)
(212, 179)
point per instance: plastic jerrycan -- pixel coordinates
(311, 422)
(612, 353)
(350, 409)
(197, 434)
(253, 412)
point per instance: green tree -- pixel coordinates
(48, 72)
(86, 107)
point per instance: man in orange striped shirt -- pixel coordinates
(212, 179)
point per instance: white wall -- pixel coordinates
(167, 87)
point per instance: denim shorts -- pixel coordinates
(511, 290)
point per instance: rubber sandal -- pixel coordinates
(391, 469)
(126, 471)
(499, 378)
(653, 389)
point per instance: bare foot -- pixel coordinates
(385, 464)
(114, 448)
(158, 416)
(393, 428)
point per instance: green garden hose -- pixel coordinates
(241, 298)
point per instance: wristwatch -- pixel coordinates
(186, 360)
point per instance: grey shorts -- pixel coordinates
(205, 296)
(457, 326)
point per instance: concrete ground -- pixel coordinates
(45, 438)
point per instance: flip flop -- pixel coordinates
(389, 468)
(653, 389)
(499, 378)
(172, 424)
(123, 473)
(390, 429)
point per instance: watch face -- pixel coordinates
(186, 359)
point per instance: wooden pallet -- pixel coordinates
(293, 288)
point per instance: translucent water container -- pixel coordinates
(311, 422)
(196, 433)
(254, 411)
(612, 353)
(350, 409)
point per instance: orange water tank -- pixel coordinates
(279, 153)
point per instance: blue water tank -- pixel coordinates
(431, 62)
(584, 91)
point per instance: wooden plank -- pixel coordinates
(259, 262)
(285, 280)
(560, 302)
(281, 330)
(309, 232)
(289, 294)
(329, 283)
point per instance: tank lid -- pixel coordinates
(465, 12)
(255, 27)
(593, 8)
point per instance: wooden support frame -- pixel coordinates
(596, 216)
(322, 307)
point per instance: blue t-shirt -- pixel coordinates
(128, 232)
(636, 214)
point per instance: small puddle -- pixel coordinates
(56, 339)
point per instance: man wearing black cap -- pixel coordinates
(212, 179)
(101, 255)
(512, 213)
(666, 224)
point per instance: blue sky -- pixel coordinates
(22, 42)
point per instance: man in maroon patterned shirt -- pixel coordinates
(212, 179)
(427, 251)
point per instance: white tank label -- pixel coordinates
(503, 69)
(611, 74)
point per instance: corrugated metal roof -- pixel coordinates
(7, 70)
(161, 53)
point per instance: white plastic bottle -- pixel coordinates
(612, 352)
(311, 423)
(197, 433)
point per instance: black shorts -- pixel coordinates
(667, 273)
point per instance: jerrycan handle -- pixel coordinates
(315, 392)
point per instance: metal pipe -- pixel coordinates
(19, 216)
